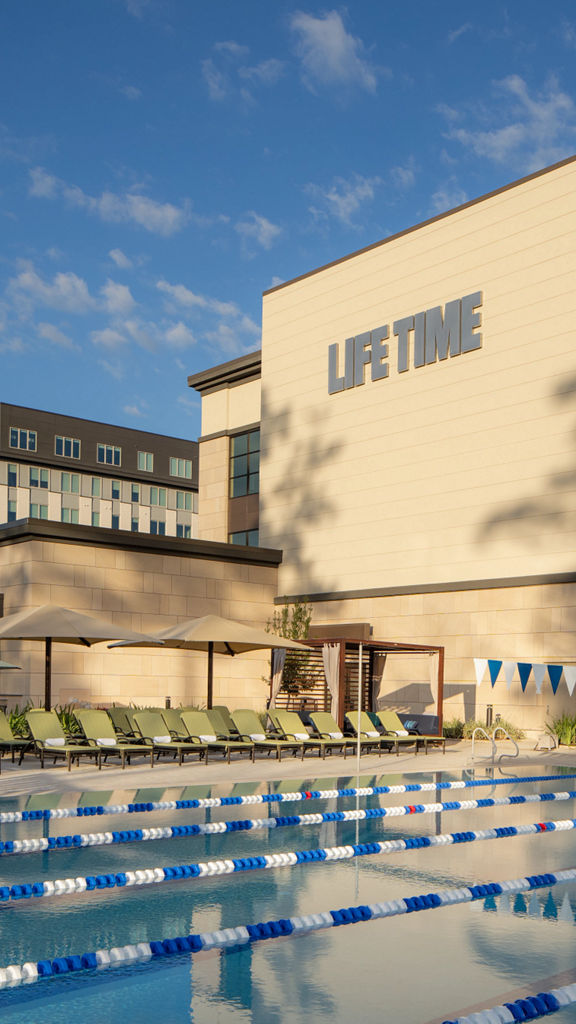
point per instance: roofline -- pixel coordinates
(96, 536)
(98, 423)
(424, 223)
(230, 374)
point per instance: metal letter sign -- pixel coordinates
(424, 338)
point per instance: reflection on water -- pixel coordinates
(413, 969)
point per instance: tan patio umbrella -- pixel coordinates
(52, 623)
(6, 664)
(214, 634)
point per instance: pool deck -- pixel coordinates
(29, 778)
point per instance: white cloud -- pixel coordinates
(268, 72)
(15, 345)
(258, 228)
(233, 48)
(134, 410)
(117, 297)
(131, 92)
(447, 198)
(457, 32)
(276, 281)
(403, 177)
(120, 259)
(66, 292)
(55, 335)
(569, 34)
(114, 369)
(343, 198)
(179, 335)
(528, 131)
(184, 297)
(129, 207)
(144, 333)
(330, 55)
(109, 338)
(215, 80)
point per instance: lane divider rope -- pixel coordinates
(265, 798)
(527, 1008)
(142, 835)
(17, 974)
(154, 876)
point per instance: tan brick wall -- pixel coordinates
(143, 591)
(213, 472)
(533, 624)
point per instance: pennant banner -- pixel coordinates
(525, 669)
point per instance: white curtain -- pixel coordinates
(434, 663)
(331, 659)
(378, 665)
(278, 659)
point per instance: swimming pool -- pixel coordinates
(419, 968)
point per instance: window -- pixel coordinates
(246, 537)
(245, 464)
(12, 476)
(115, 488)
(25, 439)
(146, 462)
(134, 524)
(182, 530)
(38, 477)
(96, 486)
(69, 483)
(38, 511)
(69, 515)
(158, 496)
(12, 511)
(95, 519)
(108, 454)
(135, 497)
(158, 526)
(69, 447)
(181, 467)
(184, 500)
(115, 522)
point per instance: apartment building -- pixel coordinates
(72, 470)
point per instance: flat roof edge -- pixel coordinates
(235, 371)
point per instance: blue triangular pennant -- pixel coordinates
(555, 675)
(524, 670)
(494, 669)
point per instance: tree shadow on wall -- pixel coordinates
(527, 518)
(297, 503)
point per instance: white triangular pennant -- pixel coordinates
(480, 666)
(570, 677)
(539, 671)
(509, 670)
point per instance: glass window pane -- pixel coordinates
(68, 447)
(116, 489)
(95, 487)
(64, 481)
(240, 444)
(162, 529)
(116, 456)
(12, 476)
(253, 538)
(134, 525)
(135, 492)
(108, 455)
(173, 467)
(100, 454)
(254, 441)
(188, 502)
(58, 446)
(43, 511)
(238, 487)
(13, 437)
(162, 497)
(31, 440)
(153, 526)
(254, 484)
(76, 449)
(34, 477)
(115, 522)
(33, 509)
(95, 519)
(74, 515)
(44, 478)
(240, 466)
(75, 483)
(254, 462)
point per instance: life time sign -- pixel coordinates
(423, 338)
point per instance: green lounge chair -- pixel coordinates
(392, 723)
(174, 723)
(10, 742)
(123, 723)
(100, 732)
(226, 719)
(50, 739)
(291, 727)
(249, 725)
(200, 727)
(152, 728)
(361, 725)
(326, 727)
(388, 739)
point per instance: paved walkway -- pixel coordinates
(29, 779)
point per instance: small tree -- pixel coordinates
(293, 621)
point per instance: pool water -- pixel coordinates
(413, 969)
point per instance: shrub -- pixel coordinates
(454, 729)
(502, 723)
(565, 729)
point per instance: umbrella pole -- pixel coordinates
(48, 674)
(210, 674)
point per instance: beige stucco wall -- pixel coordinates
(231, 408)
(459, 470)
(145, 591)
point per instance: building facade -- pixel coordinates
(417, 447)
(71, 470)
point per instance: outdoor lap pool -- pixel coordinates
(418, 967)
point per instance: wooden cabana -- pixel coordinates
(351, 645)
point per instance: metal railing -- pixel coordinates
(483, 732)
(492, 738)
(507, 736)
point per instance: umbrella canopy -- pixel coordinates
(51, 623)
(6, 664)
(214, 634)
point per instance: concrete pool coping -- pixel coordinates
(29, 778)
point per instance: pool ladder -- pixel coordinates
(492, 739)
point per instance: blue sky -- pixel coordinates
(163, 162)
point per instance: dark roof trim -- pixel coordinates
(433, 588)
(424, 223)
(94, 536)
(135, 431)
(226, 375)
(376, 645)
(230, 433)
